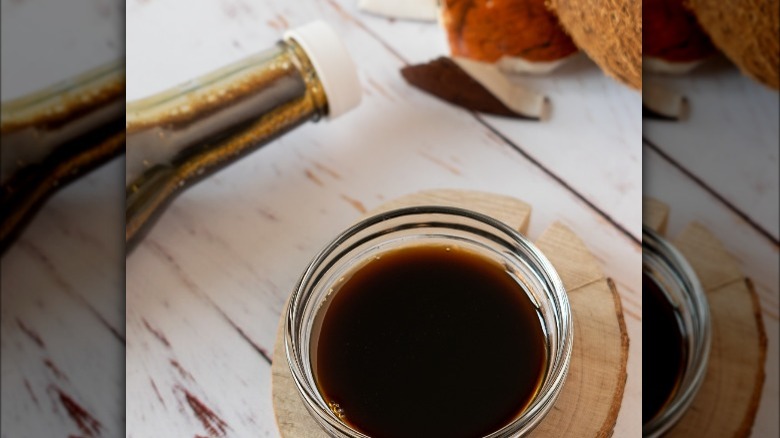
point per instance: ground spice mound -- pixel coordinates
(671, 32)
(487, 30)
(609, 31)
(747, 32)
(444, 79)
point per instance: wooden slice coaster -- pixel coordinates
(727, 401)
(655, 214)
(591, 397)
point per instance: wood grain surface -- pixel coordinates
(63, 334)
(213, 275)
(204, 292)
(655, 214)
(590, 400)
(727, 402)
(728, 143)
(62, 299)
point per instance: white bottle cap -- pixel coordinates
(331, 61)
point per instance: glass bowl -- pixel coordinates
(428, 225)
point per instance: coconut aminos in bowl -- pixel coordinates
(429, 321)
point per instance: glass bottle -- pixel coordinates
(54, 136)
(181, 136)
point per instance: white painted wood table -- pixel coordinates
(205, 291)
(206, 288)
(719, 168)
(62, 323)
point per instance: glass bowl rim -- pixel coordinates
(552, 384)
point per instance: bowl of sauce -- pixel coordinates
(429, 321)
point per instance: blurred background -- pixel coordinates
(711, 142)
(62, 302)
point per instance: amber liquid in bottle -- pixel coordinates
(181, 136)
(429, 341)
(54, 136)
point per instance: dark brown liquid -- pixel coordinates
(663, 349)
(430, 342)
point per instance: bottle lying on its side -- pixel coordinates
(54, 136)
(180, 136)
